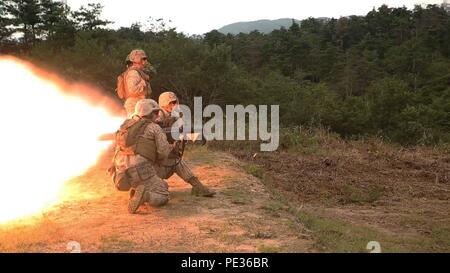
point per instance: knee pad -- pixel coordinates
(157, 200)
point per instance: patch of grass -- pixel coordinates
(352, 194)
(260, 234)
(338, 236)
(434, 235)
(274, 208)
(335, 235)
(297, 139)
(441, 237)
(231, 238)
(114, 244)
(268, 248)
(225, 234)
(238, 197)
(293, 140)
(255, 170)
(199, 154)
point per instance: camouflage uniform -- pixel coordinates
(135, 171)
(134, 164)
(170, 165)
(137, 82)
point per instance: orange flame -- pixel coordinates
(49, 134)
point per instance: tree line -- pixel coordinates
(386, 73)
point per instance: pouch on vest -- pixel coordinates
(129, 138)
(146, 148)
(135, 130)
(145, 171)
(128, 133)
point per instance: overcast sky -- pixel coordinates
(201, 16)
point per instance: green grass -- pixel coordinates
(255, 170)
(274, 208)
(332, 234)
(199, 155)
(238, 196)
(294, 139)
(441, 238)
(335, 235)
(299, 140)
(352, 194)
(436, 233)
(268, 249)
(338, 236)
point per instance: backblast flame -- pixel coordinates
(49, 134)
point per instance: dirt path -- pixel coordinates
(243, 217)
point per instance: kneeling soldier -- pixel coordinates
(140, 143)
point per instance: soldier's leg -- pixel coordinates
(123, 181)
(163, 171)
(157, 191)
(183, 171)
(198, 189)
(141, 179)
(137, 195)
(137, 191)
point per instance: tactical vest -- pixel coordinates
(130, 139)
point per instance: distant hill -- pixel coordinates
(263, 26)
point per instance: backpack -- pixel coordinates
(129, 139)
(121, 85)
(121, 89)
(130, 130)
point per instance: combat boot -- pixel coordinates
(198, 189)
(136, 198)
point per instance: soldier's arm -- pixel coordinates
(135, 84)
(167, 120)
(163, 148)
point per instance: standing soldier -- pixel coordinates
(167, 102)
(136, 83)
(140, 144)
